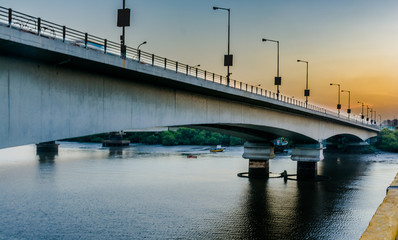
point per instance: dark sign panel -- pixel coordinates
(123, 17)
(227, 60)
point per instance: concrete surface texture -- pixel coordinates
(384, 223)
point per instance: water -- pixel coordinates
(155, 192)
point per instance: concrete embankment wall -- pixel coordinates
(384, 224)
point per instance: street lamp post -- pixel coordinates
(338, 97)
(138, 48)
(349, 102)
(227, 58)
(278, 79)
(139, 51)
(123, 20)
(362, 116)
(380, 119)
(375, 117)
(306, 91)
(371, 116)
(367, 113)
(196, 66)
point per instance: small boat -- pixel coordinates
(280, 145)
(192, 156)
(217, 149)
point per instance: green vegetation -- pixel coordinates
(387, 140)
(183, 136)
(97, 138)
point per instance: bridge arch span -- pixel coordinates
(348, 137)
(254, 133)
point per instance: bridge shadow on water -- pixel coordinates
(269, 214)
(274, 209)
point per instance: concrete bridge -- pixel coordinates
(52, 87)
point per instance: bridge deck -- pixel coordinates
(19, 43)
(68, 60)
(60, 45)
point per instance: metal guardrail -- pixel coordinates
(43, 28)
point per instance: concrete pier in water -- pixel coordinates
(259, 154)
(116, 140)
(46, 147)
(307, 157)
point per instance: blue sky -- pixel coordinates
(348, 42)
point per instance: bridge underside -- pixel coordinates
(42, 102)
(52, 90)
(254, 132)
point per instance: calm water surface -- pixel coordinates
(155, 192)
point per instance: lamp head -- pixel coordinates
(144, 42)
(331, 84)
(264, 39)
(215, 8)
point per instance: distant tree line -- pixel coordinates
(183, 136)
(387, 140)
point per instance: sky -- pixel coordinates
(352, 43)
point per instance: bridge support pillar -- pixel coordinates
(47, 147)
(307, 157)
(258, 154)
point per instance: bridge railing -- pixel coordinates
(43, 28)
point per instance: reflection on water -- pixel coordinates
(154, 192)
(47, 165)
(45, 157)
(256, 211)
(115, 152)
